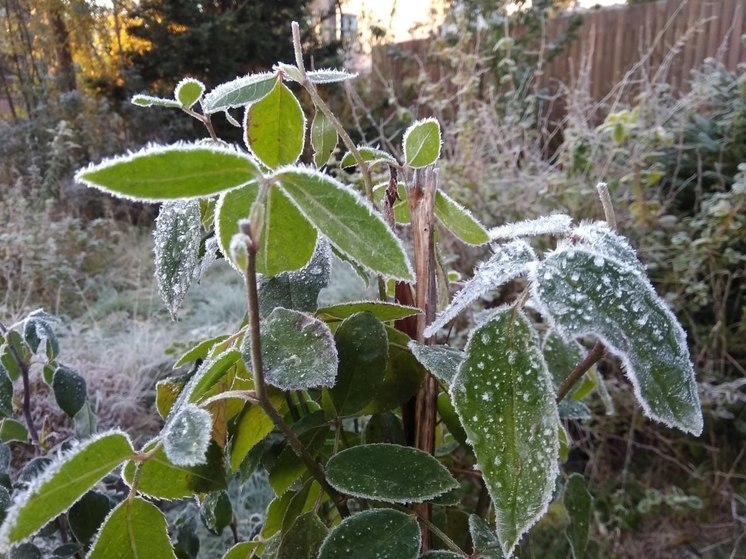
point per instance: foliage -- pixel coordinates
(284, 388)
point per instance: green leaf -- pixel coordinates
(243, 550)
(216, 511)
(362, 346)
(401, 208)
(239, 92)
(448, 414)
(85, 422)
(347, 220)
(370, 155)
(374, 534)
(87, 515)
(187, 435)
(312, 430)
(459, 221)
(177, 239)
(579, 505)
(208, 375)
(421, 143)
(384, 428)
(62, 483)
(5, 502)
(188, 91)
(441, 360)
(161, 479)
(275, 127)
(159, 173)
(69, 390)
(25, 551)
(440, 554)
(6, 395)
(199, 351)
(590, 293)
(390, 473)
(298, 351)
(37, 328)
(303, 539)
(484, 540)
(150, 101)
(134, 530)
(287, 239)
(329, 75)
(12, 430)
(380, 309)
(252, 427)
(505, 399)
(323, 138)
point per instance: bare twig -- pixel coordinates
(593, 357)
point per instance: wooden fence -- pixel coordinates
(663, 40)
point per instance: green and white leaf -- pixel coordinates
(390, 473)
(458, 220)
(62, 483)
(151, 101)
(69, 390)
(330, 75)
(239, 92)
(508, 262)
(370, 155)
(176, 240)
(555, 224)
(323, 138)
(275, 127)
(600, 237)
(304, 538)
(216, 511)
(188, 91)
(441, 360)
(374, 534)
(579, 505)
(400, 207)
(135, 529)
(504, 396)
(421, 143)
(187, 435)
(158, 173)
(382, 310)
(589, 293)
(298, 351)
(243, 550)
(348, 221)
(208, 374)
(485, 542)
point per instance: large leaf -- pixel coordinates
(287, 239)
(275, 127)
(347, 220)
(422, 143)
(239, 92)
(458, 220)
(62, 483)
(579, 505)
(323, 138)
(303, 539)
(509, 262)
(390, 473)
(382, 310)
(504, 396)
(159, 173)
(134, 530)
(556, 224)
(362, 345)
(374, 534)
(177, 239)
(187, 435)
(587, 293)
(298, 351)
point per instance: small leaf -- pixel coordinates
(587, 293)
(69, 390)
(505, 399)
(6, 395)
(275, 127)
(88, 514)
(135, 529)
(557, 224)
(370, 155)
(303, 539)
(400, 207)
(37, 328)
(298, 351)
(362, 345)
(187, 435)
(166, 173)
(62, 483)
(509, 262)
(216, 512)
(199, 351)
(329, 75)
(25, 551)
(579, 505)
(287, 239)
(441, 360)
(150, 101)
(188, 91)
(209, 374)
(390, 473)
(347, 220)
(323, 138)
(374, 534)
(239, 92)
(382, 310)
(243, 550)
(458, 220)
(252, 427)
(12, 430)
(421, 143)
(485, 542)
(85, 422)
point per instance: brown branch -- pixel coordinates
(593, 357)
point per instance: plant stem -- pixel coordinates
(33, 433)
(603, 193)
(583, 367)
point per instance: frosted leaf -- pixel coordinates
(298, 290)
(212, 250)
(484, 540)
(509, 262)
(441, 360)
(504, 397)
(178, 232)
(239, 92)
(377, 533)
(608, 244)
(187, 436)
(615, 303)
(330, 75)
(557, 224)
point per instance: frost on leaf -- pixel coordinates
(441, 360)
(187, 436)
(298, 351)
(330, 75)
(239, 92)
(590, 293)
(509, 262)
(383, 533)
(598, 236)
(504, 397)
(177, 236)
(557, 224)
